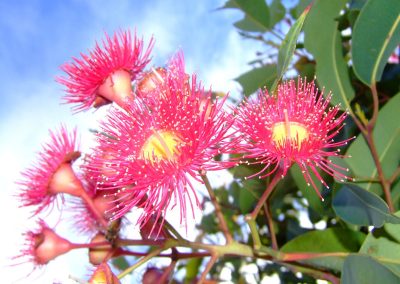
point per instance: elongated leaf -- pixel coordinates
(257, 78)
(365, 269)
(387, 141)
(299, 8)
(322, 39)
(360, 207)
(376, 34)
(288, 46)
(326, 241)
(256, 11)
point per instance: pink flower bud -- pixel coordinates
(103, 275)
(100, 254)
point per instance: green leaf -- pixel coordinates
(357, 4)
(308, 192)
(384, 251)
(192, 269)
(288, 46)
(393, 230)
(322, 39)
(395, 192)
(248, 196)
(360, 207)
(246, 24)
(364, 269)
(257, 78)
(277, 11)
(305, 68)
(255, 11)
(376, 34)
(329, 240)
(120, 262)
(299, 8)
(387, 142)
(209, 223)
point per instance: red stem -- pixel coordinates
(222, 223)
(270, 224)
(93, 208)
(369, 137)
(266, 194)
(90, 245)
(176, 255)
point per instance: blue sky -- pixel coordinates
(37, 36)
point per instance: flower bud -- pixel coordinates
(153, 275)
(100, 254)
(152, 229)
(103, 275)
(151, 80)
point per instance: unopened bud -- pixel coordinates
(153, 275)
(152, 229)
(104, 275)
(100, 254)
(151, 80)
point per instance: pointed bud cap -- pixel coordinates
(103, 274)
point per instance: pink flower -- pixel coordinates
(44, 245)
(152, 153)
(53, 173)
(105, 74)
(295, 126)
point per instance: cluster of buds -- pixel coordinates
(163, 131)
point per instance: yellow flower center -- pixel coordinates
(160, 145)
(289, 130)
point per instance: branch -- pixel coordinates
(369, 137)
(222, 223)
(264, 197)
(210, 264)
(270, 224)
(141, 261)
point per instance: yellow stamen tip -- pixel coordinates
(161, 145)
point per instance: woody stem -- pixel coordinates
(222, 223)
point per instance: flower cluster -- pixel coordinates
(164, 132)
(153, 150)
